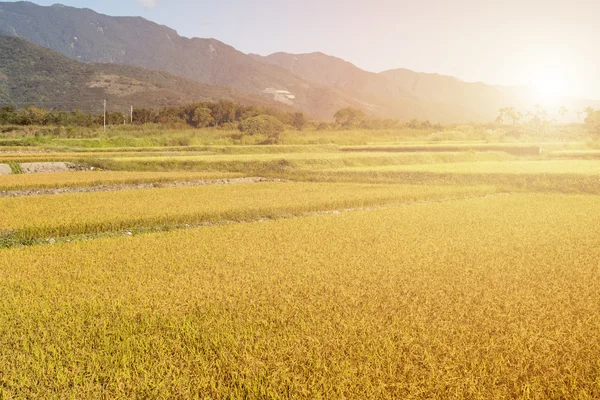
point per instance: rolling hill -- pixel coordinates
(33, 74)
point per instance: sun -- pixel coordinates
(550, 83)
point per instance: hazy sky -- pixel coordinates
(549, 43)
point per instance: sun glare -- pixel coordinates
(550, 84)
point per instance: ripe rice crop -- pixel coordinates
(84, 156)
(238, 149)
(516, 149)
(277, 163)
(581, 167)
(29, 218)
(481, 299)
(565, 176)
(94, 178)
(583, 154)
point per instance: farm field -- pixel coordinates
(315, 156)
(579, 167)
(309, 200)
(95, 178)
(572, 176)
(341, 274)
(584, 154)
(277, 163)
(25, 154)
(28, 218)
(460, 299)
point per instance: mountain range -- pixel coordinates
(32, 74)
(317, 84)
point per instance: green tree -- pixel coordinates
(299, 121)
(32, 115)
(563, 111)
(266, 125)
(115, 118)
(170, 115)
(509, 112)
(79, 118)
(349, 117)
(414, 124)
(592, 121)
(224, 112)
(59, 117)
(202, 117)
(143, 115)
(8, 114)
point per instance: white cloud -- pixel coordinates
(148, 3)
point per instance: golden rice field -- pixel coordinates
(279, 163)
(322, 157)
(211, 149)
(96, 178)
(564, 176)
(83, 213)
(358, 276)
(580, 167)
(83, 154)
(585, 154)
(481, 299)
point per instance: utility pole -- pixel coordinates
(104, 115)
(131, 114)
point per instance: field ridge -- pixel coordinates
(132, 186)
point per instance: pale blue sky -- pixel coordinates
(551, 43)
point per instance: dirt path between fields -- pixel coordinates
(5, 169)
(45, 167)
(130, 186)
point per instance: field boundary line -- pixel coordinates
(131, 186)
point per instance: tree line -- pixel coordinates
(197, 115)
(221, 114)
(538, 117)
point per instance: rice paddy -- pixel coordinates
(450, 300)
(579, 167)
(388, 275)
(83, 213)
(96, 178)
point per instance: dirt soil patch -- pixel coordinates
(41, 167)
(5, 169)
